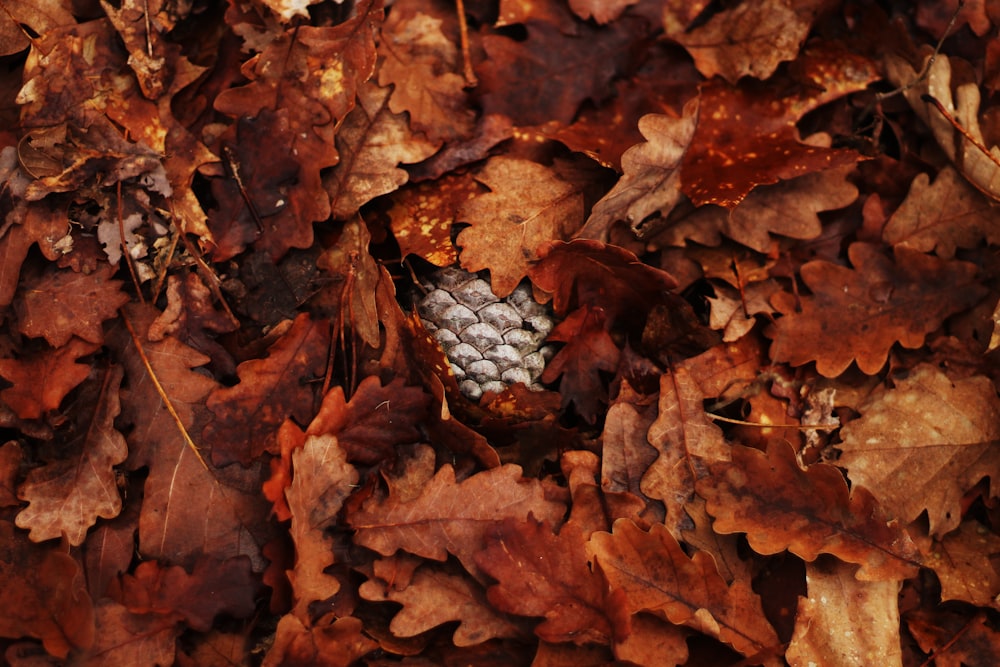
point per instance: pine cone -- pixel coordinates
(490, 342)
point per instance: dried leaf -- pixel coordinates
(655, 575)
(858, 314)
(923, 444)
(42, 380)
(543, 574)
(443, 516)
(964, 562)
(67, 496)
(845, 622)
(808, 512)
(528, 205)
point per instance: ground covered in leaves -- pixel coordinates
(768, 231)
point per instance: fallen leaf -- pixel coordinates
(808, 512)
(42, 380)
(656, 576)
(923, 444)
(43, 595)
(422, 217)
(954, 637)
(68, 495)
(860, 313)
(56, 305)
(126, 638)
(527, 206)
(845, 622)
(337, 642)
(248, 416)
(540, 573)
(964, 562)
(443, 516)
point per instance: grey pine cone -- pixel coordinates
(490, 342)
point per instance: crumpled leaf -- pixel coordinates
(41, 17)
(434, 596)
(43, 594)
(942, 216)
(372, 141)
(248, 415)
(540, 573)
(751, 38)
(42, 380)
(860, 313)
(845, 622)
(56, 305)
(439, 515)
(528, 205)
(924, 443)
(808, 512)
(655, 575)
(321, 481)
(650, 184)
(68, 495)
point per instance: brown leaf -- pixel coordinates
(602, 11)
(808, 512)
(248, 415)
(126, 638)
(540, 573)
(442, 516)
(322, 480)
(212, 588)
(422, 217)
(349, 260)
(942, 216)
(625, 452)
(846, 622)
(372, 141)
(421, 62)
(528, 205)
(68, 495)
(858, 314)
(375, 421)
(42, 594)
(790, 208)
(964, 562)
(42, 380)
(923, 444)
(651, 181)
(337, 642)
(435, 596)
(955, 637)
(686, 441)
(58, 304)
(11, 456)
(655, 575)
(750, 39)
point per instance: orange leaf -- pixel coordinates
(42, 380)
(808, 512)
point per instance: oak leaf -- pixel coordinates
(540, 573)
(422, 217)
(650, 184)
(372, 141)
(686, 441)
(350, 261)
(924, 443)
(846, 622)
(434, 596)
(588, 352)
(11, 456)
(655, 575)
(955, 637)
(750, 39)
(58, 304)
(339, 642)
(942, 216)
(43, 594)
(127, 638)
(858, 314)
(321, 481)
(808, 512)
(42, 380)
(210, 589)
(964, 562)
(733, 312)
(67, 496)
(529, 205)
(625, 452)
(439, 516)
(248, 415)
(420, 61)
